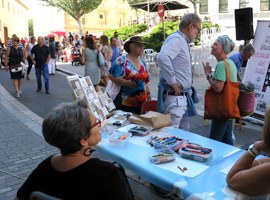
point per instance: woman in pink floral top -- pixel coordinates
(130, 72)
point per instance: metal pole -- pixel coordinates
(148, 9)
(163, 28)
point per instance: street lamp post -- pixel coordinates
(148, 9)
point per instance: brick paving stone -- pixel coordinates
(21, 151)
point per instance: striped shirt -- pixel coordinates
(174, 60)
(10, 44)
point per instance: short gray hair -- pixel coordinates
(248, 48)
(66, 125)
(188, 19)
(41, 37)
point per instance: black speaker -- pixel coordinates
(244, 23)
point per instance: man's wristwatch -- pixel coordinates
(253, 151)
(208, 76)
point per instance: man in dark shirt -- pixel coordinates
(40, 55)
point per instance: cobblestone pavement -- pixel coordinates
(21, 145)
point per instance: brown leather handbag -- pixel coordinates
(222, 105)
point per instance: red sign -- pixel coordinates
(160, 10)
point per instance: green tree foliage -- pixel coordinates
(75, 8)
(127, 32)
(155, 38)
(131, 2)
(30, 27)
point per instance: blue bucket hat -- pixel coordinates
(226, 43)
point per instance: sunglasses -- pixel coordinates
(97, 123)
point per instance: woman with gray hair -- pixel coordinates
(221, 130)
(74, 174)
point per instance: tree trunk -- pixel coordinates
(195, 8)
(80, 25)
(137, 17)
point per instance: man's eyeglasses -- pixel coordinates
(98, 123)
(198, 29)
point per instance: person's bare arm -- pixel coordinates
(32, 58)
(23, 57)
(48, 59)
(249, 176)
(122, 82)
(83, 56)
(104, 55)
(26, 51)
(217, 85)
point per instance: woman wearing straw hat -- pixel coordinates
(130, 72)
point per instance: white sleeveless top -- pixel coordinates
(30, 48)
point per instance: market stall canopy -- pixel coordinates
(153, 5)
(52, 35)
(60, 33)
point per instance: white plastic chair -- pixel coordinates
(148, 51)
(150, 59)
(213, 33)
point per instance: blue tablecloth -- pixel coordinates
(210, 184)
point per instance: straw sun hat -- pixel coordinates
(135, 39)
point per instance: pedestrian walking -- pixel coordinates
(89, 57)
(107, 54)
(13, 59)
(176, 72)
(40, 56)
(51, 63)
(27, 53)
(1, 52)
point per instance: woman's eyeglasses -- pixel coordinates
(97, 123)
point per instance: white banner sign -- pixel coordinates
(258, 68)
